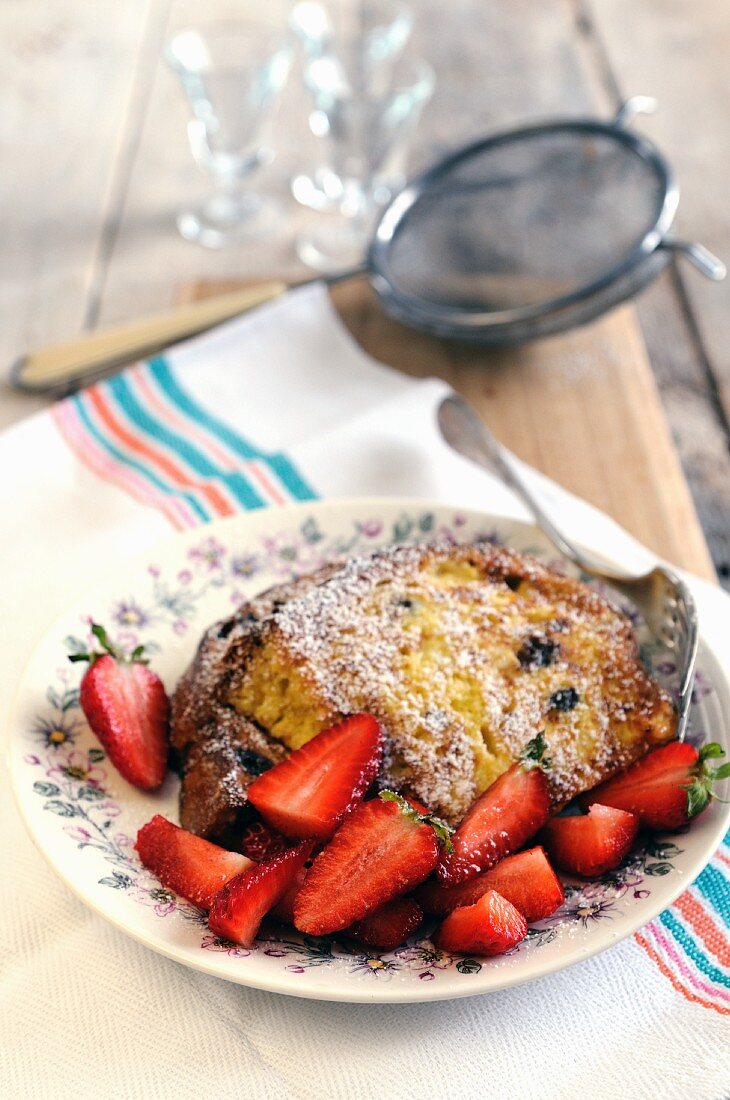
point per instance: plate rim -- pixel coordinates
(213, 965)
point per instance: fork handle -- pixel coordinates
(466, 433)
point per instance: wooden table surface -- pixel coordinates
(97, 163)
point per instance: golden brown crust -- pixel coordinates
(222, 752)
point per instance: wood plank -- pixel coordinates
(59, 63)
(651, 49)
(582, 408)
(658, 47)
(698, 431)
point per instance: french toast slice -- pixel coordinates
(463, 653)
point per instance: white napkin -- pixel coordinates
(84, 1011)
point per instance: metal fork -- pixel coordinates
(663, 599)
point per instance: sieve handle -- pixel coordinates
(636, 105)
(700, 257)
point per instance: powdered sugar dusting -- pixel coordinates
(459, 651)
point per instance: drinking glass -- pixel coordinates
(366, 37)
(232, 75)
(368, 118)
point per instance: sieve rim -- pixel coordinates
(425, 313)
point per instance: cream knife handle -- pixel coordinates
(59, 364)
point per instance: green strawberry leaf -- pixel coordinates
(698, 798)
(710, 751)
(700, 790)
(439, 826)
(135, 657)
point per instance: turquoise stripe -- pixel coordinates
(690, 946)
(278, 463)
(160, 370)
(125, 397)
(290, 476)
(713, 885)
(126, 460)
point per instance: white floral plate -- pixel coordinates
(84, 816)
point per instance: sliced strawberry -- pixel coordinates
(489, 927)
(666, 788)
(592, 844)
(501, 820)
(309, 793)
(185, 863)
(239, 908)
(260, 843)
(389, 926)
(526, 880)
(382, 850)
(284, 908)
(127, 708)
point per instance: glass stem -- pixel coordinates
(357, 206)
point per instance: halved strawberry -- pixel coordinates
(239, 908)
(592, 844)
(383, 849)
(309, 793)
(389, 926)
(127, 708)
(186, 863)
(260, 843)
(526, 880)
(501, 820)
(489, 927)
(666, 788)
(284, 908)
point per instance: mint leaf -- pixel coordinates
(533, 754)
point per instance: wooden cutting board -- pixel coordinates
(582, 407)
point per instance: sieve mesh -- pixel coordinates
(528, 221)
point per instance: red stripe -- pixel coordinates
(91, 455)
(209, 492)
(706, 929)
(686, 993)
